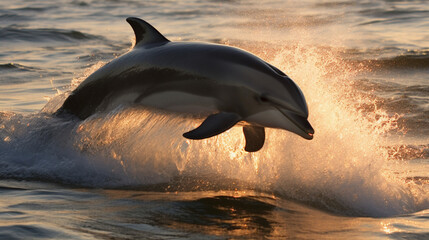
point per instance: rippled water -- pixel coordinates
(362, 65)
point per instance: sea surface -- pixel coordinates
(129, 174)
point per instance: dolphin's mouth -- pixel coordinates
(300, 122)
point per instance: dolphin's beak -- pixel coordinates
(304, 128)
(296, 114)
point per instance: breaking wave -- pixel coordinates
(342, 170)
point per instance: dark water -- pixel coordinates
(128, 174)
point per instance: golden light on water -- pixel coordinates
(128, 172)
(388, 228)
(348, 145)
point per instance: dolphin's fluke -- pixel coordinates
(145, 33)
(214, 125)
(255, 138)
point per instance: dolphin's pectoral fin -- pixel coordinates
(255, 138)
(145, 33)
(214, 125)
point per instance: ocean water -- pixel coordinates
(129, 174)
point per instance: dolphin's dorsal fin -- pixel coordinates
(214, 125)
(255, 138)
(145, 33)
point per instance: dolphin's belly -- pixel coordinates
(183, 102)
(270, 118)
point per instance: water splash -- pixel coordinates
(343, 169)
(345, 165)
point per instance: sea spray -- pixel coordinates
(342, 170)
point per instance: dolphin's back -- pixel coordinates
(204, 67)
(101, 92)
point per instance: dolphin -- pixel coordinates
(227, 85)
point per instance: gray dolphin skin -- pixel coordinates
(225, 84)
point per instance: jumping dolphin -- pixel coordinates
(227, 84)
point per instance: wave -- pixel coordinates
(135, 148)
(33, 9)
(7, 15)
(240, 214)
(355, 59)
(16, 66)
(408, 152)
(407, 102)
(340, 170)
(390, 16)
(394, 92)
(20, 231)
(43, 34)
(418, 180)
(385, 87)
(415, 61)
